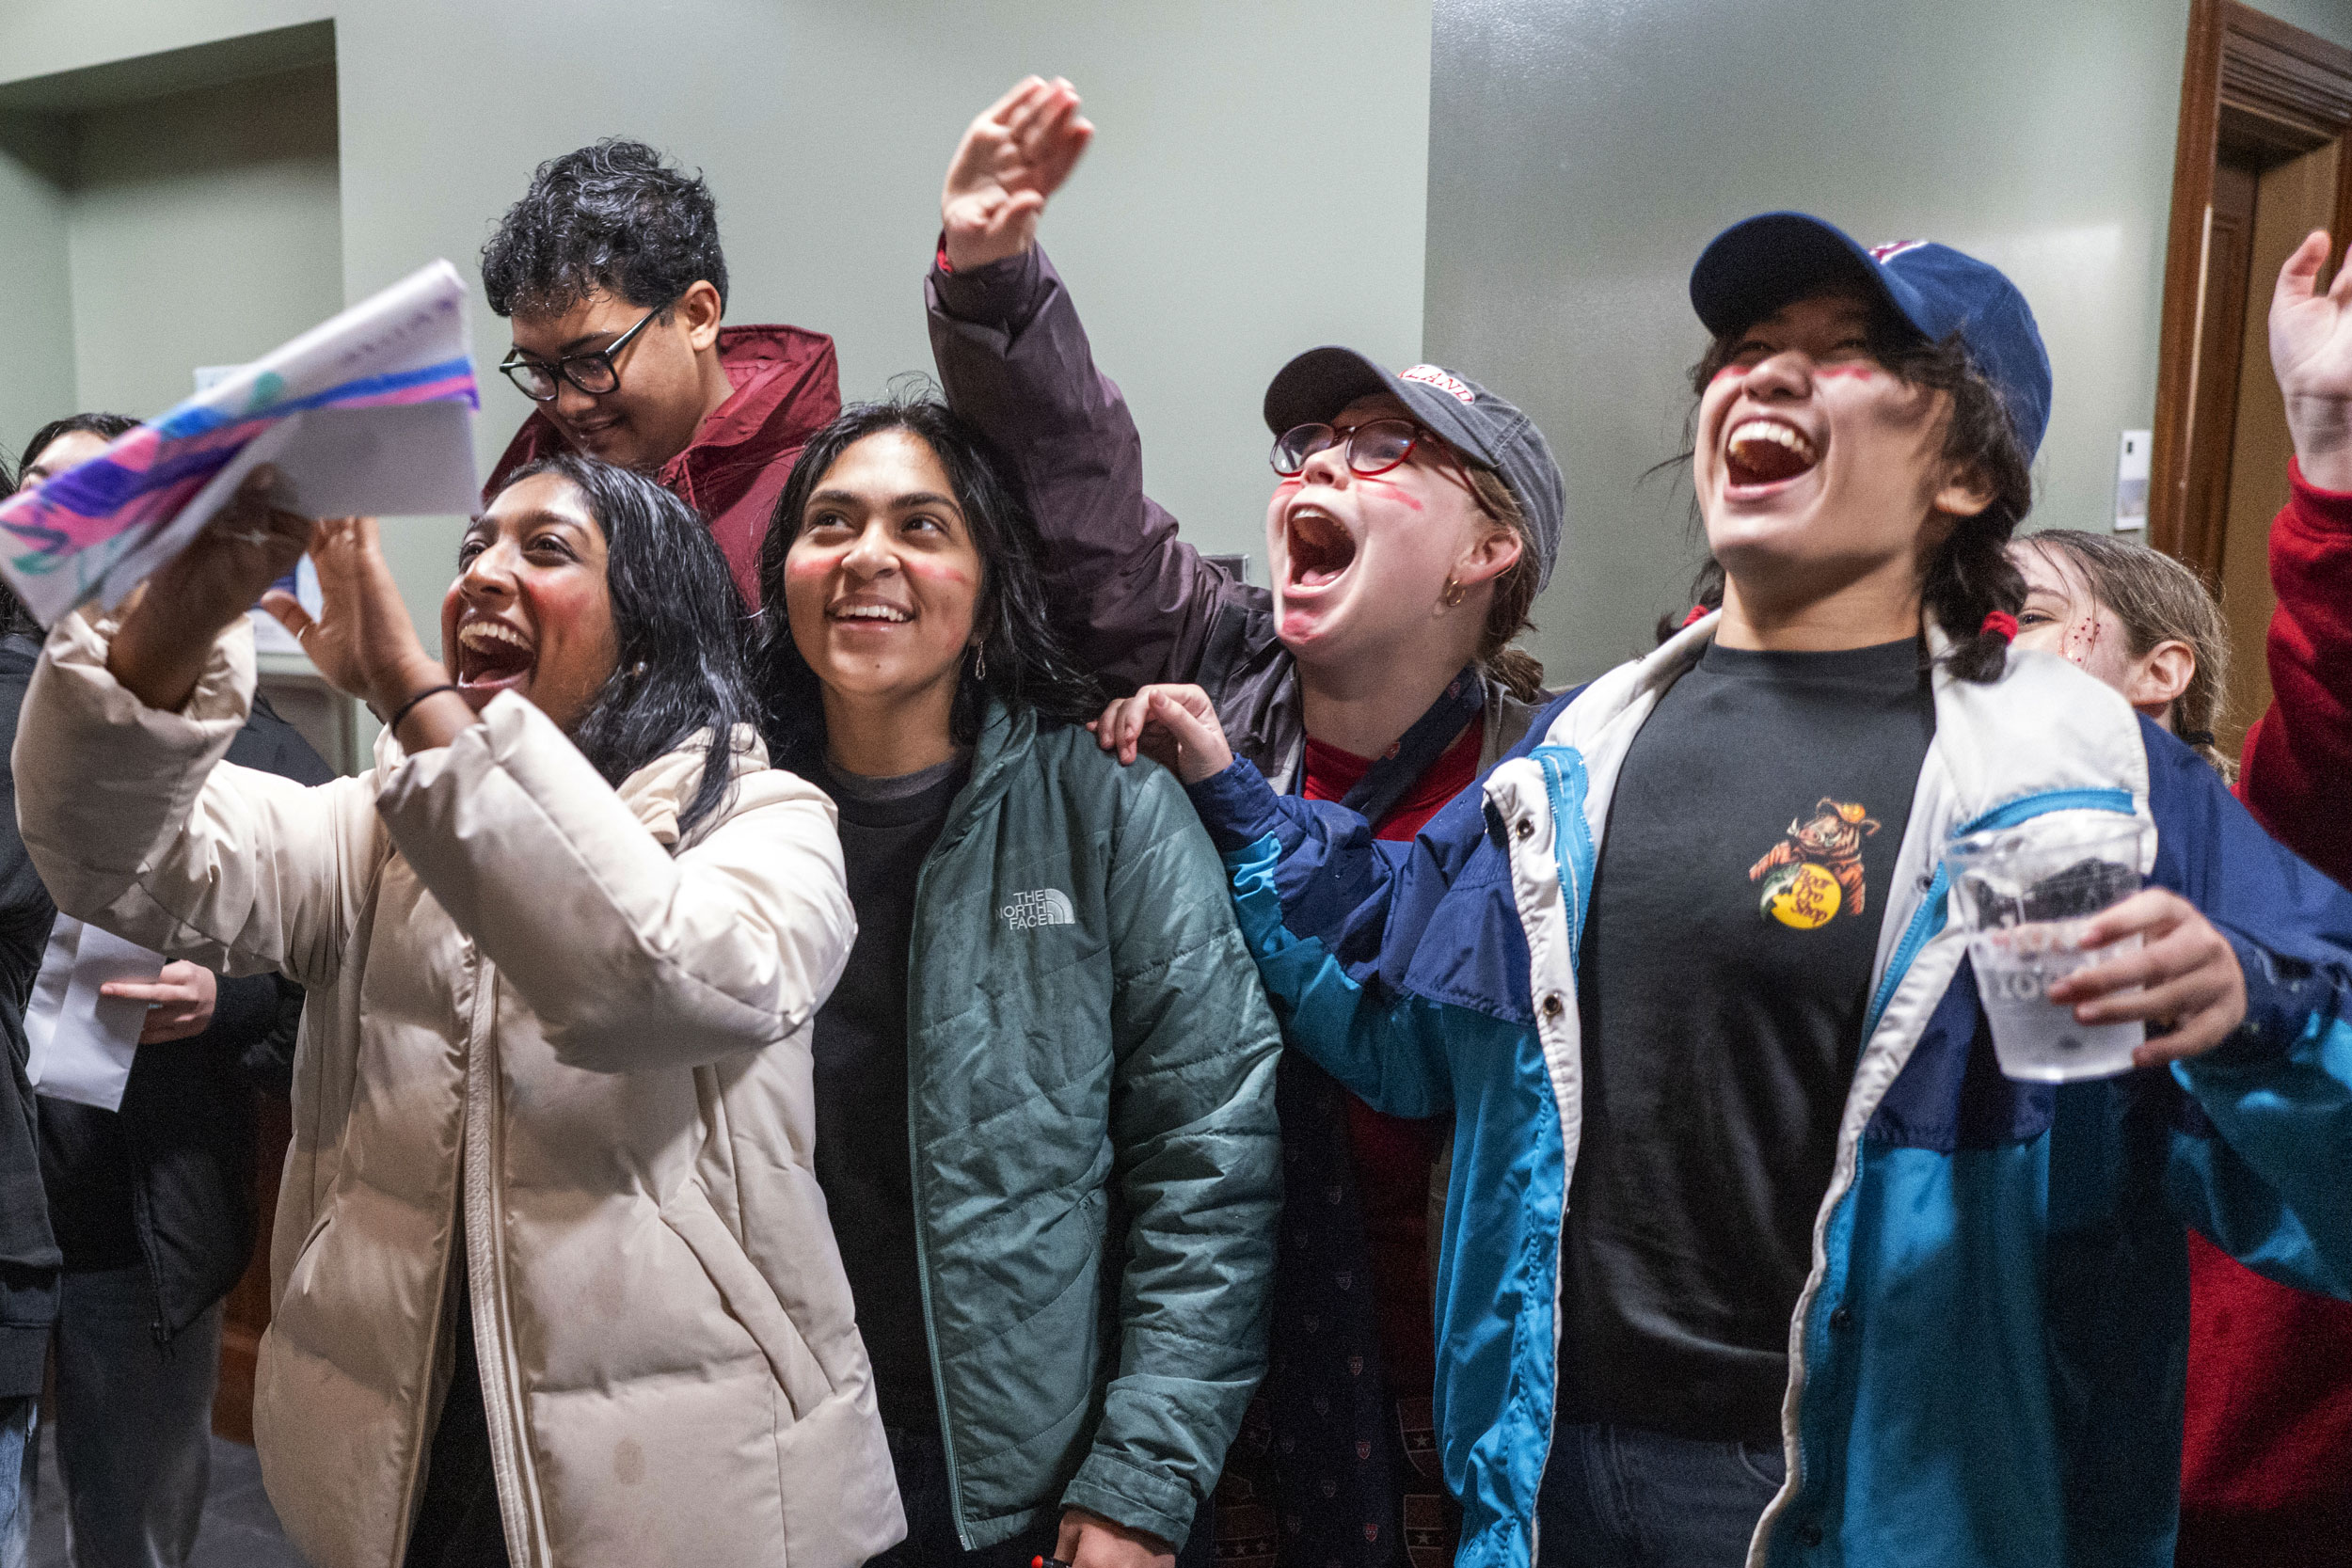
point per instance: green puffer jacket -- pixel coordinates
(1097, 1166)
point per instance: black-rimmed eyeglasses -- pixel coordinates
(593, 372)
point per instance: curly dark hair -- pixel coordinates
(1970, 575)
(15, 619)
(684, 641)
(617, 217)
(1026, 653)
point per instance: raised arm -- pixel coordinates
(1014, 359)
(632, 957)
(2298, 754)
(129, 815)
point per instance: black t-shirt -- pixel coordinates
(1723, 981)
(862, 1152)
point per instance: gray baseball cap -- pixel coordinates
(1486, 429)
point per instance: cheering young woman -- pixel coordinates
(552, 1274)
(1045, 1084)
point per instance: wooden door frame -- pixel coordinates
(2278, 87)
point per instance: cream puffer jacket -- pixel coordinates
(534, 1033)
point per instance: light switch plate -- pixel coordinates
(2131, 481)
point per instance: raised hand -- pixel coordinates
(2311, 352)
(363, 639)
(166, 636)
(1011, 158)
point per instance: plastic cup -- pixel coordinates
(2025, 897)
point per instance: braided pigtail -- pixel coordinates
(1975, 590)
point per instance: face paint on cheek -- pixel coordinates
(946, 574)
(1399, 491)
(2081, 638)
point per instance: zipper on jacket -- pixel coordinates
(143, 1225)
(485, 1282)
(922, 1245)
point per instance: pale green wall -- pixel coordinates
(1222, 221)
(1583, 151)
(37, 373)
(204, 229)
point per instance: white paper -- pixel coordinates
(370, 413)
(82, 1044)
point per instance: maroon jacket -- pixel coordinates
(2266, 1462)
(787, 387)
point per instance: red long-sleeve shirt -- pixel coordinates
(2266, 1460)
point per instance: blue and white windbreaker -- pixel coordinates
(1986, 1362)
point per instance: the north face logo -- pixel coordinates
(1046, 906)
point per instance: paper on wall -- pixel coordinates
(82, 1044)
(371, 412)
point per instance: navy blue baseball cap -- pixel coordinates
(1490, 431)
(1754, 267)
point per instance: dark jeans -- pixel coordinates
(134, 1427)
(922, 1465)
(1621, 1497)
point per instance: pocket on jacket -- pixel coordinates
(748, 1298)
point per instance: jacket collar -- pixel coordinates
(1006, 738)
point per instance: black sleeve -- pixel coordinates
(26, 909)
(268, 1056)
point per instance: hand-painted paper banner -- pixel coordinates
(98, 528)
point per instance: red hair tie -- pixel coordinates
(2000, 624)
(1698, 613)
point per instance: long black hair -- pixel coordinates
(1970, 574)
(684, 641)
(1022, 658)
(15, 619)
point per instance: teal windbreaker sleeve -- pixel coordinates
(1199, 1155)
(2264, 1163)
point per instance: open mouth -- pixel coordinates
(493, 654)
(1767, 451)
(1320, 548)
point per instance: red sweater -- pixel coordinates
(2266, 1460)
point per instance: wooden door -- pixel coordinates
(247, 1312)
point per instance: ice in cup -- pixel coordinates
(2025, 896)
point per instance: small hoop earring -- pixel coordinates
(979, 663)
(1454, 592)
